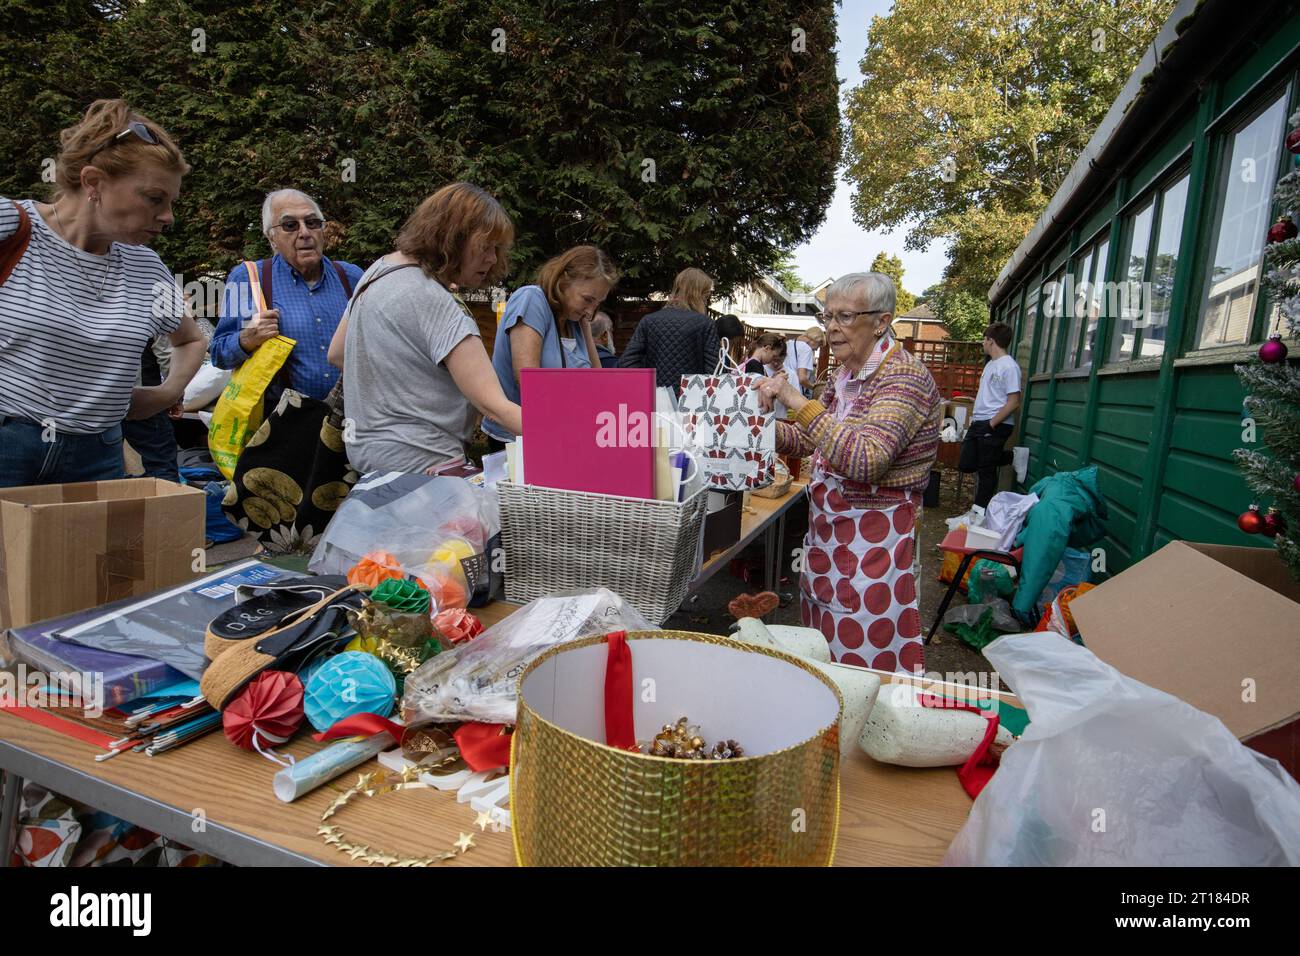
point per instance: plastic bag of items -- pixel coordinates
(477, 681)
(981, 624)
(1006, 514)
(1111, 772)
(441, 530)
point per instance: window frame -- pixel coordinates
(1227, 126)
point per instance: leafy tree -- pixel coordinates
(785, 274)
(964, 314)
(704, 134)
(971, 113)
(892, 266)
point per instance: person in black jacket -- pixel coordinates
(680, 339)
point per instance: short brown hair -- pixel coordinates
(574, 265)
(691, 288)
(1000, 333)
(770, 340)
(441, 228)
(94, 142)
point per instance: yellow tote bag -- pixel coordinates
(239, 409)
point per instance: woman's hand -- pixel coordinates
(778, 389)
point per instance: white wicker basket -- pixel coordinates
(641, 549)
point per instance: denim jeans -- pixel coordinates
(31, 454)
(155, 442)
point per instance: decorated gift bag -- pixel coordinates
(723, 420)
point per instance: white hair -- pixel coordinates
(875, 289)
(268, 205)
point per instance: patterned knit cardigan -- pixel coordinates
(890, 438)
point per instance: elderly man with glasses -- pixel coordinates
(305, 293)
(873, 444)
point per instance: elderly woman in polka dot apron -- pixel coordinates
(873, 444)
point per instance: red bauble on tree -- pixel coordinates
(1251, 521)
(1274, 524)
(1273, 351)
(1293, 141)
(1282, 230)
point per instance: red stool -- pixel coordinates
(955, 543)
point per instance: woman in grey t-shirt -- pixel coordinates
(416, 377)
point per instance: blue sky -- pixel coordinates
(840, 245)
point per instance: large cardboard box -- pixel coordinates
(1215, 625)
(68, 547)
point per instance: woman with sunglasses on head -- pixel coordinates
(873, 445)
(81, 295)
(305, 293)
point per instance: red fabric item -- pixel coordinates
(483, 746)
(361, 725)
(979, 766)
(270, 707)
(619, 726)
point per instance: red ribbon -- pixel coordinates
(620, 731)
(978, 769)
(484, 746)
(361, 725)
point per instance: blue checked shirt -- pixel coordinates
(309, 314)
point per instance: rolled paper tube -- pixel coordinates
(324, 765)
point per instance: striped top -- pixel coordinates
(66, 355)
(889, 434)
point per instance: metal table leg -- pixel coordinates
(13, 788)
(769, 550)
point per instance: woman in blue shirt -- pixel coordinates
(548, 325)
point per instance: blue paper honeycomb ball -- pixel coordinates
(349, 683)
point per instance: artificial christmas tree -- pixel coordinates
(1273, 385)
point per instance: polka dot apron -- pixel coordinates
(858, 585)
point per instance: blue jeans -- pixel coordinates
(30, 454)
(155, 443)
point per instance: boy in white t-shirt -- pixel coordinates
(993, 418)
(800, 360)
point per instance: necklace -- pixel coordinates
(108, 266)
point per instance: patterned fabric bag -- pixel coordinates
(734, 439)
(54, 831)
(293, 474)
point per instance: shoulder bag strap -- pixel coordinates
(14, 247)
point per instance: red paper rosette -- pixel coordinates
(270, 708)
(457, 625)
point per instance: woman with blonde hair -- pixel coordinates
(82, 295)
(680, 339)
(548, 324)
(415, 373)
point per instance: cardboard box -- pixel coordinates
(68, 547)
(1214, 625)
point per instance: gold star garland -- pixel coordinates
(370, 784)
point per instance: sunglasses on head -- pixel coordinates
(314, 223)
(133, 128)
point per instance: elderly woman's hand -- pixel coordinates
(778, 389)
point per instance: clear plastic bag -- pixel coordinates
(476, 681)
(1111, 772)
(437, 528)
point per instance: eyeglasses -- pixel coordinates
(845, 319)
(291, 225)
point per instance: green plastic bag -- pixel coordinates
(988, 580)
